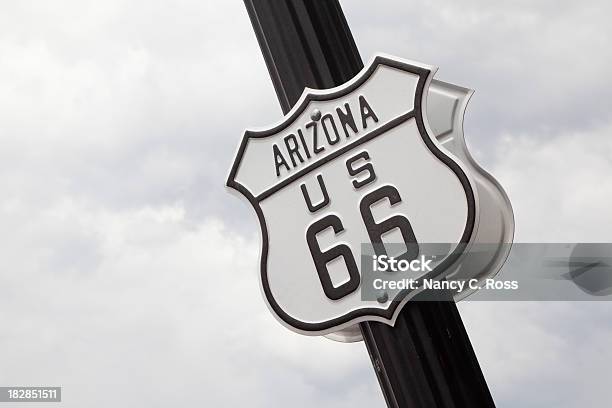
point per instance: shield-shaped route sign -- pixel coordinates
(352, 165)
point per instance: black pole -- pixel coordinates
(426, 360)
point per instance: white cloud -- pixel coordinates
(550, 353)
(542, 354)
(536, 66)
(559, 183)
(165, 313)
(127, 104)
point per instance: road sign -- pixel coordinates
(333, 175)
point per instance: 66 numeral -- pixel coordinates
(375, 230)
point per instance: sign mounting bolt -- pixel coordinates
(383, 298)
(315, 115)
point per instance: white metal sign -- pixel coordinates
(359, 164)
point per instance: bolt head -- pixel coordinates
(315, 115)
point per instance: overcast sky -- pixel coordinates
(118, 122)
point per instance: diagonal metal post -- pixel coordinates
(426, 360)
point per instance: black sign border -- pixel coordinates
(387, 314)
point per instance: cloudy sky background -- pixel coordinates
(129, 274)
